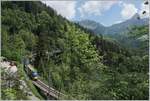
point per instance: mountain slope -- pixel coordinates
(122, 27)
(62, 51)
(92, 25)
(79, 64)
(97, 28)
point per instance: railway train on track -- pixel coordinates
(33, 74)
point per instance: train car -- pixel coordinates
(31, 72)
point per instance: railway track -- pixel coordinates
(48, 90)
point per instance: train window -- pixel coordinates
(34, 73)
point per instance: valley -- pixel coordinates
(83, 60)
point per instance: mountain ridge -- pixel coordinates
(115, 28)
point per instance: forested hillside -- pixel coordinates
(72, 59)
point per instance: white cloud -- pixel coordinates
(65, 8)
(128, 10)
(95, 7)
(144, 8)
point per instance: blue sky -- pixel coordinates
(106, 12)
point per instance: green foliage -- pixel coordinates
(10, 86)
(13, 47)
(141, 35)
(72, 59)
(29, 39)
(9, 94)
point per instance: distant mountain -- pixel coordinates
(122, 27)
(98, 28)
(92, 25)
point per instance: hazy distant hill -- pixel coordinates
(94, 26)
(98, 28)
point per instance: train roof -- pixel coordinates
(31, 68)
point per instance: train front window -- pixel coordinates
(34, 74)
